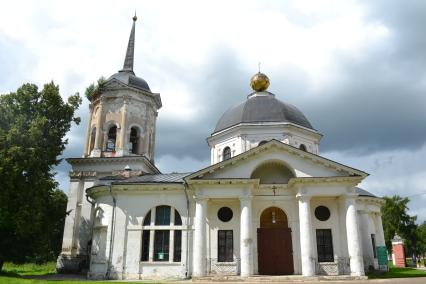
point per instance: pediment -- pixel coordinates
(302, 164)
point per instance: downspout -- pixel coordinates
(185, 185)
(92, 225)
(114, 201)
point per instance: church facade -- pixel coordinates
(269, 203)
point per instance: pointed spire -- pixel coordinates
(128, 60)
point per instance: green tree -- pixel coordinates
(421, 235)
(33, 125)
(95, 89)
(397, 220)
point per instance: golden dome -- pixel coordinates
(259, 82)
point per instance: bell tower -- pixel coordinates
(123, 113)
(120, 136)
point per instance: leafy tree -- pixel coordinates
(33, 125)
(421, 236)
(95, 89)
(397, 220)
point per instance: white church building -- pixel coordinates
(269, 203)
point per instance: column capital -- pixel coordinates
(200, 198)
(349, 197)
(302, 197)
(126, 99)
(246, 198)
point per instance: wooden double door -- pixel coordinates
(274, 245)
(275, 252)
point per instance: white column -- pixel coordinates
(354, 242)
(122, 151)
(88, 132)
(306, 247)
(246, 238)
(199, 258)
(98, 137)
(367, 246)
(380, 236)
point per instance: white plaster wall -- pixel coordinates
(214, 225)
(244, 138)
(130, 211)
(332, 223)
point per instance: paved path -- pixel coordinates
(413, 280)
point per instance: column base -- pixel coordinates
(72, 264)
(96, 153)
(121, 153)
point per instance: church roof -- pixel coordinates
(262, 107)
(130, 79)
(363, 192)
(157, 178)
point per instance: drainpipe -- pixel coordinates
(114, 201)
(92, 225)
(185, 184)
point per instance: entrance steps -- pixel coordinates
(275, 278)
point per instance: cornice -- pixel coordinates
(351, 180)
(372, 200)
(242, 126)
(289, 149)
(232, 181)
(100, 190)
(111, 160)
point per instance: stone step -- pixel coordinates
(279, 278)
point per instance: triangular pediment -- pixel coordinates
(302, 164)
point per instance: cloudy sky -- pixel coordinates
(357, 69)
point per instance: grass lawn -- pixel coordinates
(19, 274)
(395, 272)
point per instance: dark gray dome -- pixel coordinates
(129, 78)
(262, 107)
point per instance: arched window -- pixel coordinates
(134, 140)
(112, 137)
(302, 147)
(272, 172)
(262, 142)
(165, 225)
(226, 153)
(92, 140)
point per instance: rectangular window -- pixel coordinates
(373, 243)
(325, 245)
(161, 245)
(225, 246)
(145, 245)
(177, 247)
(162, 215)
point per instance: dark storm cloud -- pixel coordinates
(220, 85)
(380, 101)
(377, 103)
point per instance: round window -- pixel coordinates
(322, 213)
(225, 214)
